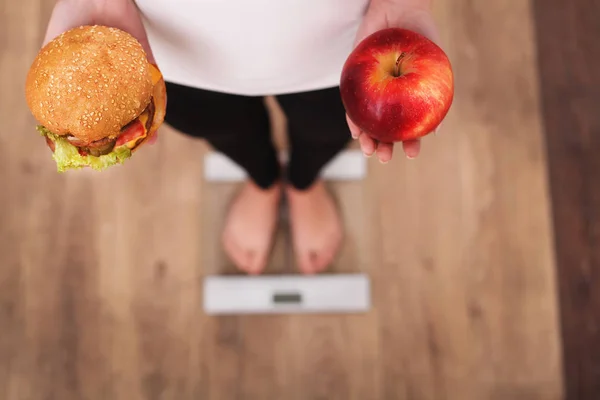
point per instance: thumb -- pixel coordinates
(153, 138)
(421, 21)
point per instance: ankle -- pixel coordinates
(272, 188)
(315, 186)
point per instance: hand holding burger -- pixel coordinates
(96, 96)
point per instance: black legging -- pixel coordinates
(239, 127)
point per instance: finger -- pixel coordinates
(421, 21)
(153, 138)
(385, 152)
(412, 148)
(367, 145)
(354, 130)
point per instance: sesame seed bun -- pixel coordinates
(89, 82)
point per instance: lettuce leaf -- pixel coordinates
(67, 156)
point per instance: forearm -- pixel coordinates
(122, 14)
(415, 15)
(68, 14)
(416, 4)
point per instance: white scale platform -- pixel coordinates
(287, 294)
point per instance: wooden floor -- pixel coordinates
(101, 274)
(569, 59)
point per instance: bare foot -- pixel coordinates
(316, 227)
(250, 225)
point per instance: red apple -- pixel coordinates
(397, 85)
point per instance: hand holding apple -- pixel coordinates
(397, 85)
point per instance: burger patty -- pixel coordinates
(106, 145)
(151, 110)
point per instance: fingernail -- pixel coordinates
(410, 157)
(384, 162)
(369, 155)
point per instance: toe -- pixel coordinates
(312, 262)
(328, 253)
(257, 261)
(323, 261)
(236, 254)
(307, 261)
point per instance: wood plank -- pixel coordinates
(569, 61)
(464, 282)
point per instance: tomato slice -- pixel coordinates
(133, 131)
(50, 144)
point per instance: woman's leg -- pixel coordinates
(318, 131)
(238, 127)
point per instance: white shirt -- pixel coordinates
(252, 47)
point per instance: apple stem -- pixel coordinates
(398, 62)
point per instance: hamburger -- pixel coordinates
(96, 97)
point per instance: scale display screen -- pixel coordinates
(287, 298)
